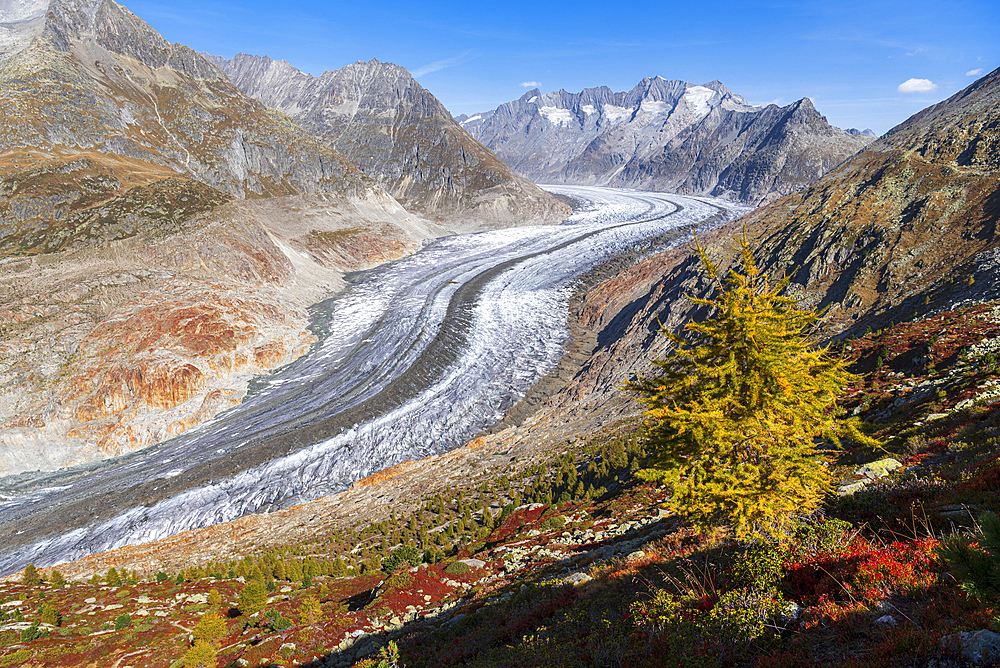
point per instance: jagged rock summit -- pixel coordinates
(665, 135)
(380, 118)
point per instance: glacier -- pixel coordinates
(416, 358)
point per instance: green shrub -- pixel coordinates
(408, 555)
(162, 577)
(989, 362)
(31, 578)
(825, 537)
(554, 522)
(657, 614)
(310, 612)
(123, 621)
(211, 629)
(976, 562)
(200, 655)
(739, 615)
(457, 568)
(50, 614)
(33, 633)
(759, 568)
(742, 614)
(397, 581)
(277, 621)
(253, 598)
(20, 656)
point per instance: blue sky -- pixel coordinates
(851, 58)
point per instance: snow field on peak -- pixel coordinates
(615, 114)
(654, 107)
(697, 99)
(556, 116)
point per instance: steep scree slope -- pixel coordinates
(906, 226)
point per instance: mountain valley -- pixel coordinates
(302, 371)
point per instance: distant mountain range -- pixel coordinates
(668, 136)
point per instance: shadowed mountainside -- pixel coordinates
(381, 119)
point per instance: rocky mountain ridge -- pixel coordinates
(398, 133)
(665, 135)
(91, 76)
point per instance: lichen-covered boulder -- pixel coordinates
(879, 469)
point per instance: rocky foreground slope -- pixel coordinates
(665, 135)
(378, 116)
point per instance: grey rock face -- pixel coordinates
(979, 647)
(665, 135)
(380, 118)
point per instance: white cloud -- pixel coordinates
(531, 84)
(916, 86)
(974, 73)
(463, 57)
